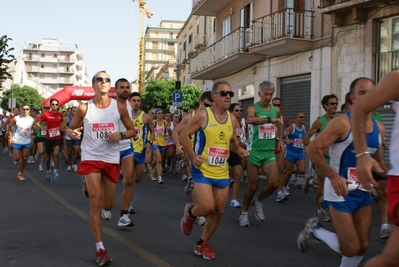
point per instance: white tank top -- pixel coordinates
(394, 145)
(125, 143)
(23, 130)
(97, 124)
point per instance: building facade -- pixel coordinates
(160, 46)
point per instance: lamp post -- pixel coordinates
(177, 70)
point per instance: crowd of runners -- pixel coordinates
(213, 147)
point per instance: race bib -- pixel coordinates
(159, 131)
(217, 156)
(43, 132)
(267, 131)
(24, 132)
(239, 132)
(101, 130)
(352, 177)
(298, 143)
(138, 131)
(54, 132)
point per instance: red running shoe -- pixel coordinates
(187, 222)
(102, 258)
(205, 250)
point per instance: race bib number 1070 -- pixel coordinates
(101, 130)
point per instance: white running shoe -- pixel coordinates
(131, 208)
(69, 168)
(41, 168)
(52, 163)
(75, 167)
(243, 220)
(235, 204)
(200, 221)
(105, 214)
(258, 207)
(124, 221)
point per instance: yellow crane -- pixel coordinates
(143, 11)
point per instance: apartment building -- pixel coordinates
(191, 40)
(53, 64)
(160, 47)
(306, 48)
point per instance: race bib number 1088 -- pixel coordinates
(101, 130)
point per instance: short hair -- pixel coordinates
(233, 105)
(276, 98)
(25, 104)
(121, 80)
(54, 99)
(348, 99)
(216, 84)
(266, 84)
(355, 81)
(135, 94)
(206, 95)
(94, 77)
(343, 107)
(325, 99)
(69, 109)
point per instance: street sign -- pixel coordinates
(177, 99)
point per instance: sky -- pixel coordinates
(104, 30)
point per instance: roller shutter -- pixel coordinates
(245, 103)
(388, 121)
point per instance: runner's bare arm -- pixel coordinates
(313, 129)
(74, 130)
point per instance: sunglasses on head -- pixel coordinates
(103, 79)
(207, 105)
(238, 110)
(225, 93)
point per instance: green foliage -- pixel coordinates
(5, 57)
(159, 94)
(23, 95)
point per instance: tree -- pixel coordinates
(159, 94)
(5, 57)
(23, 95)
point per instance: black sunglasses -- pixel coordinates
(103, 79)
(207, 105)
(238, 110)
(54, 104)
(301, 117)
(225, 93)
(333, 103)
(277, 105)
(26, 109)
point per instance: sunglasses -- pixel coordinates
(277, 105)
(238, 110)
(333, 103)
(54, 104)
(301, 117)
(103, 79)
(26, 109)
(160, 113)
(225, 93)
(207, 105)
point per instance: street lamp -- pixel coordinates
(166, 74)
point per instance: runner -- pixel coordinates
(72, 146)
(100, 152)
(213, 129)
(41, 138)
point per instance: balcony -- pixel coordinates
(283, 32)
(192, 52)
(346, 6)
(67, 60)
(208, 7)
(224, 57)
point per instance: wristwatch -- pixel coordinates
(123, 135)
(269, 120)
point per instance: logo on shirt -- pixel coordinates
(221, 136)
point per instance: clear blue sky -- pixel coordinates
(104, 30)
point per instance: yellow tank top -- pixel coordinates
(142, 132)
(160, 133)
(212, 143)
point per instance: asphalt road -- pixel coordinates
(46, 224)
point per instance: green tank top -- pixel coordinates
(377, 117)
(262, 137)
(324, 123)
(39, 132)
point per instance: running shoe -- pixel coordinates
(160, 181)
(105, 214)
(131, 209)
(124, 221)
(184, 177)
(15, 162)
(189, 186)
(281, 196)
(48, 176)
(200, 221)
(243, 220)
(306, 238)
(286, 190)
(102, 257)
(69, 168)
(31, 160)
(205, 250)
(56, 175)
(41, 168)
(37, 156)
(52, 163)
(258, 207)
(20, 177)
(235, 204)
(74, 167)
(323, 215)
(187, 222)
(385, 233)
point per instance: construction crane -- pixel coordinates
(143, 11)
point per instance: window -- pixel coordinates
(54, 66)
(388, 49)
(246, 16)
(190, 38)
(42, 54)
(171, 35)
(41, 76)
(154, 45)
(214, 25)
(197, 28)
(184, 46)
(42, 66)
(55, 55)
